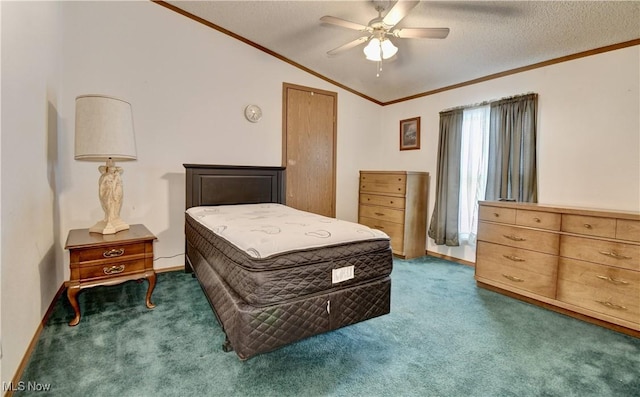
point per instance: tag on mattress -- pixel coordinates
(341, 274)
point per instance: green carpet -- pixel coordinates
(444, 337)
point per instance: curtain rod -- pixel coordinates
(489, 102)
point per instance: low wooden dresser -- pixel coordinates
(97, 259)
(581, 262)
(396, 203)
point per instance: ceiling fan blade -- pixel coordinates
(398, 11)
(421, 33)
(348, 46)
(343, 22)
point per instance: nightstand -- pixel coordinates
(108, 259)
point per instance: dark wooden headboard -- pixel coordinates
(233, 184)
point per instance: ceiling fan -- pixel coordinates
(381, 29)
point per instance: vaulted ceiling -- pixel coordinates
(486, 38)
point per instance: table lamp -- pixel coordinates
(104, 132)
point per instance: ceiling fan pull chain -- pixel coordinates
(380, 62)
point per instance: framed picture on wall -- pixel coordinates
(410, 134)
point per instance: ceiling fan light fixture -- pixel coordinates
(378, 50)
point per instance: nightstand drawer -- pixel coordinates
(387, 201)
(121, 251)
(382, 213)
(111, 270)
(97, 259)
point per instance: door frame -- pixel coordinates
(285, 87)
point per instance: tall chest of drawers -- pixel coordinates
(581, 262)
(396, 203)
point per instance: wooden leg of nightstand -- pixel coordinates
(72, 295)
(152, 284)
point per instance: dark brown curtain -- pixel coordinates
(443, 227)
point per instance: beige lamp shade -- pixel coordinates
(104, 129)
(104, 132)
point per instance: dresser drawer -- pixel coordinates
(522, 269)
(628, 230)
(116, 251)
(539, 219)
(512, 236)
(383, 178)
(383, 183)
(387, 201)
(382, 213)
(589, 225)
(395, 231)
(599, 251)
(111, 269)
(497, 214)
(603, 289)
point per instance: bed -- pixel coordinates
(265, 289)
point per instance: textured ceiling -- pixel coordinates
(486, 37)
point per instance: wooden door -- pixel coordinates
(309, 148)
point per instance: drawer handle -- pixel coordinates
(378, 227)
(514, 258)
(379, 213)
(113, 269)
(496, 215)
(513, 278)
(611, 305)
(614, 254)
(612, 280)
(588, 226)
(514, 238)
(112, 253)
(537, 220)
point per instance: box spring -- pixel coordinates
(252, 330)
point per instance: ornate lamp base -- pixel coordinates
(111, 227)
(110, 192)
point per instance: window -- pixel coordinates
(473, 169)
(484, 153)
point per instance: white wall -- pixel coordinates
(588, 132)
(188, 85)
(30, 83)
